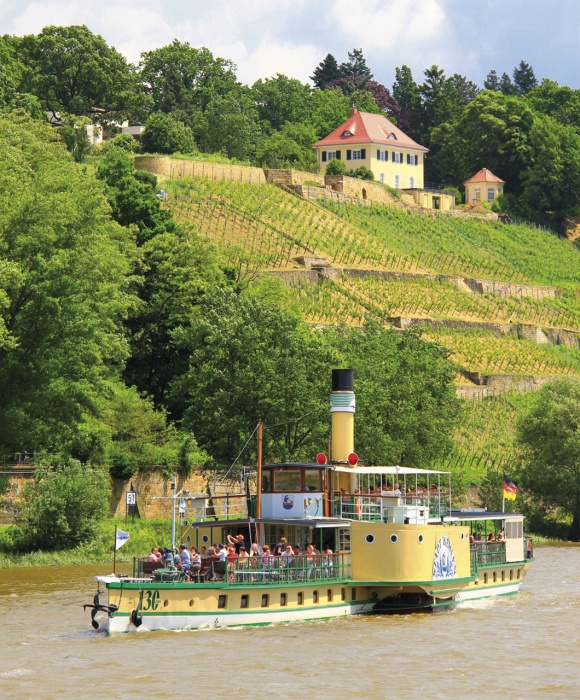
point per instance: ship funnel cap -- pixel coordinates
(342, 380)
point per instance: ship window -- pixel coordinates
(344, 539)
(166, 602)
(244, 601)
(511, 574)
(369, 539)
(394, 539)
(287, 480)
(283, 600)
(494, 576)
(300, 598)
(191, 603)
(329, 595)
(484, 578)
(312, 479)
(354, 594)
(421, 538)
(315, 596)
(503, 575)
(343, 593)
(205, 539)
(222, 601)
(519, 574)
(266, 483)
(265, 600)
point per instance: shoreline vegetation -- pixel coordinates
(143, 536)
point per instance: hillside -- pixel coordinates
(504, 298)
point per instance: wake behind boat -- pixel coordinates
(333, 539)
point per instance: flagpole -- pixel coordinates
(115, 553)
(503, 503)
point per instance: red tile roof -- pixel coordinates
(364, 128)
(484, 175)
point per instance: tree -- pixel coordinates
(492, 82)
(229, 125)
(65, 291)
(325, 72)
(327, 109)
(550, 438)
(289, 147)
(406, 402)
(280, 100)
(72, 70)
(183, 80)
(164, 133)
(524, 78)
(560, 103)
(62, 508)
(355, 66)
(406, 92)
(250, 360)
(506, 86)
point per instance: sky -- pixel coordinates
(265, 37)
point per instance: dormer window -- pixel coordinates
(347, 133)
(392, 136)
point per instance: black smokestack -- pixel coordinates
(343, 380)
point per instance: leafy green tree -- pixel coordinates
(280, 100)
(406, 92)
(327, 109)
(183, 80)
(124, 142)
(406, 403)
(229, 125)
(492, 82)
(560, 103)
(66, 292)
(325, 72)
(250, 360)
(506, 86)
(62, 508)
(289, 147)
(72, 70)
(10, 72)
(524, 78)
(164, 133)
(550, 437)
(356, 65)
(336, 167)
(75, 136)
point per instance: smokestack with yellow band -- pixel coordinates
(342, 409)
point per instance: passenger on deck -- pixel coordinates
(471, 539)
(167, 557)
(491, 537)
(236, 542)
(184, 558)
(203, 553)
(287, 556)
(222, 552)
(254, 550)
(500, 537)
(155, 555)
(195, 563)
(280, 547)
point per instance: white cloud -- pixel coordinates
(384, 24)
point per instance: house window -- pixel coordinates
(490, 194)
(356, 154)
(347, 133)
(412, 159)
(397, 181)
(392, 136)
(381, 177)
(397, 157)
(477, 195)
(382, 155)
(412, 182)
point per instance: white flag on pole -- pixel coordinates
(121, 538)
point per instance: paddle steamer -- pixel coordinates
(397, 545)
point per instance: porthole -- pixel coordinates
(420, 538)
(205, 539)
(462, 535)
(191, 603)
(165, 603)
(369, 539)
(188, 539)
(394, 539)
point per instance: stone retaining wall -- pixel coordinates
(292, 177)
(171, 167)
(510, 289)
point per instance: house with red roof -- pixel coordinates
(375, 142)
(483, 186)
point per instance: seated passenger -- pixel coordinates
(155, 555)
(500, 537)
(184, 558)
(491, 537)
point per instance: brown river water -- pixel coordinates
(527, 647)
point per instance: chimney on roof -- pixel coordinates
(354, 111)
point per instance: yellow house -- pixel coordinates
(375, 142)
(483, 186)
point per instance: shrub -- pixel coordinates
(336, 167)
(164, 133)
(62, 507)
(123, 141)
(362, 173)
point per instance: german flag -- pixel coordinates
(510, 488)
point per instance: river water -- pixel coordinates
(522, 647)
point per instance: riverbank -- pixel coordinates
(144, 534)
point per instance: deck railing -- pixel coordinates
(410, 508)
(487, 554)
(278, 570)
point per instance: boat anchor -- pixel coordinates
(97, 607)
